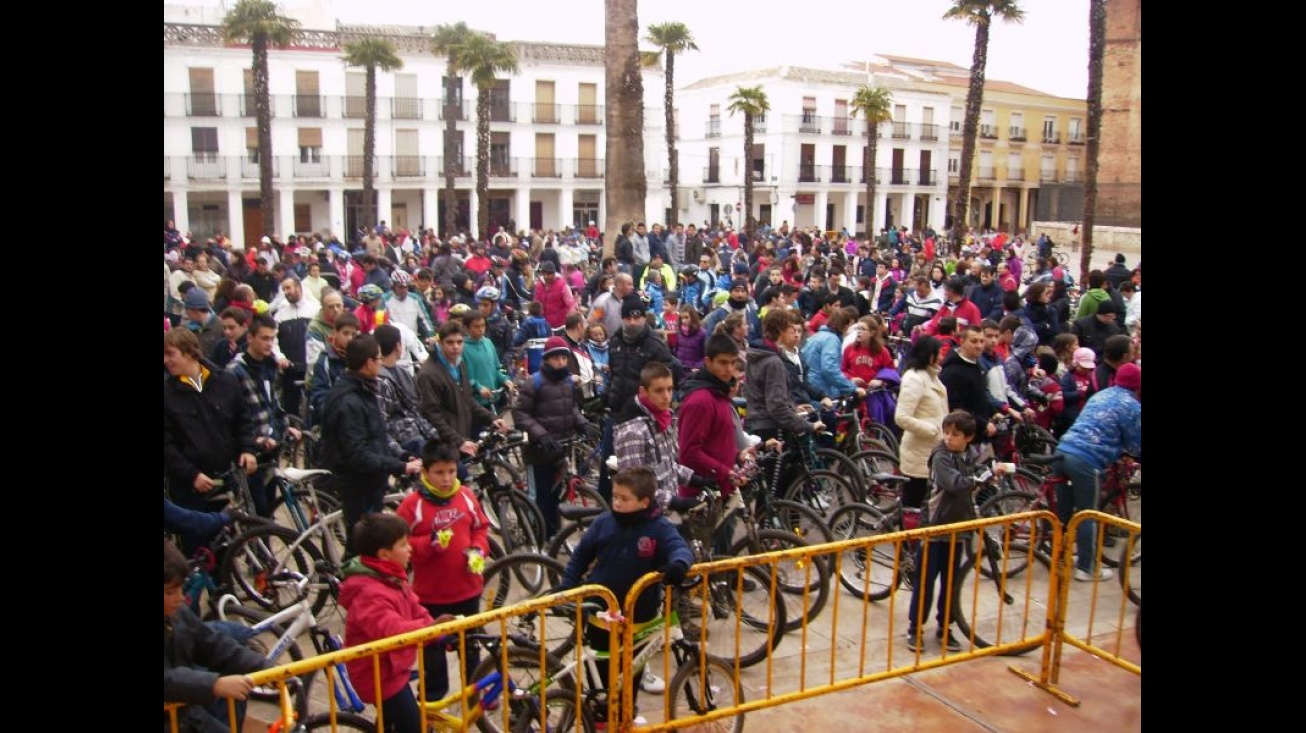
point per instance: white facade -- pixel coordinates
(550, 173)
(808, 159)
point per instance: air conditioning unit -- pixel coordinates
(698, 194)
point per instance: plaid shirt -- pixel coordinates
(261, 388)
(636, 442)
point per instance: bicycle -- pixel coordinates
(702, 682)
(578, 472)
(502, 492)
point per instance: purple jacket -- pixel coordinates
(707, 430)
(689, 349)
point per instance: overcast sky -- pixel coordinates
(1048, 51)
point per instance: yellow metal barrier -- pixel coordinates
(457, 628)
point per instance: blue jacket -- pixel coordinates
(822, 354)
(623, 552)
(1110, 425)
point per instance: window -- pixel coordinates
(958, 118)
(204, 143)
(988, 127)
(714, 121)
(1050, 130)
(809, 123)
(1075, 130)
(500, 108)
(954, 163)
(587, 111)
(202, 101)
(354, 152)
(1048, 168)
(310, 145)
(308, 99)
(713, 174)
(247, 104)
(1017, 131)
(355, 94)
(407, 160)
(1015, 167)
(456, 98)
(928, 129)
(1072, 170)
(841, 117)
(500, 153)
(900, 122)
(406, 104)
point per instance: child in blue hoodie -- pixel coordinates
(532, 334)
(597, 344)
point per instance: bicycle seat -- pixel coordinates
(1043, 460)
(299, 474)
(575, 513)
(884, 478)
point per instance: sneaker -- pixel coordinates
(952, 644)
(914, 642)
(1102, 574)
(651, 683)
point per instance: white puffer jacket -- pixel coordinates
(922, 405)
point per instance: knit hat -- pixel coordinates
(547, 266)
(1107, 306)
(196, 299)
(1130, 376)
(739, 282)
(556, 345)
(632, 306)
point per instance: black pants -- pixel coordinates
(914, 492)
(437, 671)
(355, 501)
(292, 393)
(402, 714)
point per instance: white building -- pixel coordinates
(808, 152)
(547, 132)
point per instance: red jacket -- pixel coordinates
(966, 313)
(859, 363)
(377, 607)
(707, 432)
(556, 301)
(440, 574)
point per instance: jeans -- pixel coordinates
(355, 501)
(262, 485)
(437, 672)
(1076, 496)
(933, 568)
(542, 478)
(401, 712)
(606, 448)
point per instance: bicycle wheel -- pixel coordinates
(792, 516)
(761, 623)
(1130, 570)
(793, 576)
(521, 577)
(521, 523)
(988, 610)
(264, 642)
(255, 560)
(579, 491)
(840, 464)
(1014, 540)
(522, 691)
(343, 721)
(822, 491)
(882, 496)
(869, 572)
(883, 434)
(564, 542)
(706, 683)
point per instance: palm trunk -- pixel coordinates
(868, 168)
(483, 162)
(673, 160)
(370, 215)
(451, 166)
(625, 186)
(974, 99)
(263, 110)
(1096, 53)
(748, 175)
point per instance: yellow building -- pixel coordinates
(1029, 154)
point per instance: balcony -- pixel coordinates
(901, 131)
(588, 167)
(249, 166)
(1016, 134)
(988, 132)
(927, 177)
(307, 105)
(354, 167)
(167, 168)
(1047, 176)
(841, 126)
(589, 114)
(1076, 139)
(986, 173)
(407, 166)
(320, 168)
(206, 167)
(1051, 138)
(1072, 177)
(809, 173)
(545, 168)
(713, 128)
(711, 174)
(406, 108)
(929, 133)
(460, 105)
(355, 107)
(1015, 174)
(502, 111)
(809, 123)
(504, 167)
(842, 174)
(203, 105)
(546, 113)
(463, 167)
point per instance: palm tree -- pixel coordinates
(446, 42)
(672, 38)
(484, 59)
(875, 106)
(258, 23)
(372, 54)
(752, 103)
(979, 13)
(625, 187)
(1096, 52)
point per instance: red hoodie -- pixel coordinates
(440, 574)
(377, 606)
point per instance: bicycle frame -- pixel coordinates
(439, 720)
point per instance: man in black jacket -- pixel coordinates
(354, 440)
(964, 379)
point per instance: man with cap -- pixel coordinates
(200, 318)
(738, 300)
(1109, 426)
(548, 410)
(555, 297)
(1093, 330)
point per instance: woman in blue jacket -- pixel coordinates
(823, 355)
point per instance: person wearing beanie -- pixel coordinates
(1117, 273)
(737, 301)
(1109, 426)
(548, 411)
(1093, 330)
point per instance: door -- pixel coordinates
(829, 217)
(839, 165)
(587, 165)
(927, 176)
(545, 164)
(203, 102)
(545, 109)
(407, 162)
(537, 214)
(587, 110)
(896, 174)
(252, 217)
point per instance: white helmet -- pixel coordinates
(489, 292)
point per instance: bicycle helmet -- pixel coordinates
(460, 310)
(400, 277)
(489, 292)
(369, 292)
(689, 271)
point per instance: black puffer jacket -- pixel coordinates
(354, 439)
(204, 431)
(552, 408)
(625, 360)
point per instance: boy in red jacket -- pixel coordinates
(379, 602)
(449, 533)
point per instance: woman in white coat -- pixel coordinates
(922, 403)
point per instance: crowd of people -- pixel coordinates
(396, 348)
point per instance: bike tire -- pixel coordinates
(1016, 539)
(564, 543)
(882, 496)
(761, 621)
(840, 464)
(998, 619)
(521, 523)
(522, 709)
(1130, 568)
(261, 552)
(796, 517)
(792, 576)
(343, 721)
(261, 644)
(871, 572)
(706, 683)
(822, 491)
(884, 434)
(524, 576)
